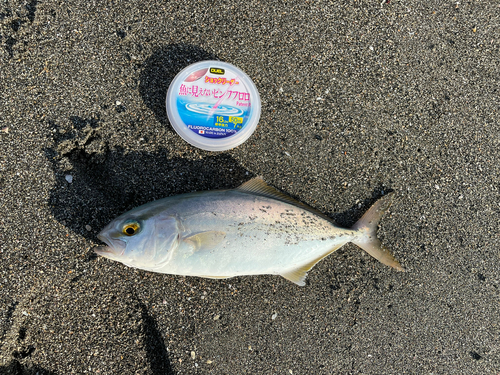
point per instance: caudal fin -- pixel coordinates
(368, 225)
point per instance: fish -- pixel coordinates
(254, 229)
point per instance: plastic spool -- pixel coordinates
(213, 105)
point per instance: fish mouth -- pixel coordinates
(115, 247)
(103, 250)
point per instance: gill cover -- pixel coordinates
(153, 246)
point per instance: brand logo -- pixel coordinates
(217, 71)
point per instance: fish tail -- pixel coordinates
(368, 225)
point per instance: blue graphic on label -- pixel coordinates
(210, 109)
(211, 120)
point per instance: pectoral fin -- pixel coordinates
(205, 240)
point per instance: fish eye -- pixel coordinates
(131, 227)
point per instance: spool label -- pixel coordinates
(213, 102)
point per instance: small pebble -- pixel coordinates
(88, 227)
(118, 102)
(209, 361)
(69, 178)
(216, 317)
(193, 355)
(274, 316)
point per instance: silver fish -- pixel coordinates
(251, 230)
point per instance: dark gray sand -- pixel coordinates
(359, 98)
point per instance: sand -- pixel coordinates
(358, 98)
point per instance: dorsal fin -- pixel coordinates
(258, 186)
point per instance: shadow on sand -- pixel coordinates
(14, 367)
(160, 69)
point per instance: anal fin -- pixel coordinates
(298, 275)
